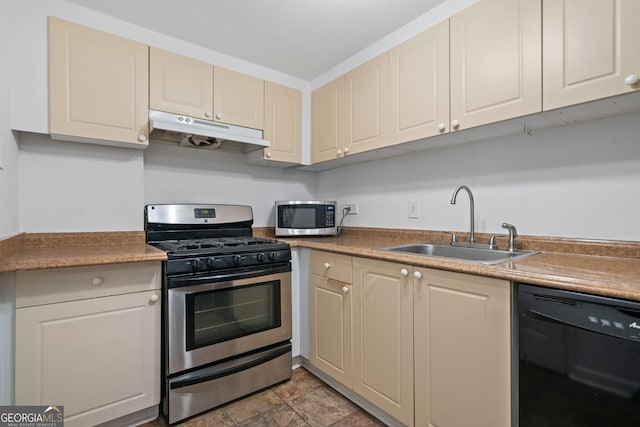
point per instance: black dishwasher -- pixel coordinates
(579, 359)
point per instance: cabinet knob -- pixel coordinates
(142, 138)
(327, 265)
(345, 289)
(207, 114)
(154, 298)
(455, 124)
(339, 152)
(404, 272)
(632, 79)
(442, 127)
(268, 154)
(97, 281)
(218, 116)
(346, 150)
(417, 275)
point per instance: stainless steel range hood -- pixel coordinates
(199, 133)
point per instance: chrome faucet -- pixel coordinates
(472, 237)
(513, 233)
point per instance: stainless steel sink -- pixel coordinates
(461, 253)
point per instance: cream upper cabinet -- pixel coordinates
(383, 336)
(496, 67)
(98, 85)
(282, 123)
(238, 99)
(591, 50)
(419, 86)
(327, 123)
(180, 85)
(462, 350)
(96, 348)
(367, 106)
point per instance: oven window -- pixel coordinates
(230, 313)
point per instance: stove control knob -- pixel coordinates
(196, 264)
(272, 256)
(260, 257)
(237, 259)
(214, 263)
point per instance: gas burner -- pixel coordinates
(214, 243)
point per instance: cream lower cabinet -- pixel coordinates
(462, 350)
(590, 50)
(383, 336)
(96, 348)
(98, 86)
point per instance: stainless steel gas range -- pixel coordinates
(226, 325)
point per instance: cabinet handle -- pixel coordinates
(339, 152)
(327, 265)
(345, 289)
(442, 127)
(346, 150)
(268, 154)
(142, 138)
(632, 79)
(97, 281)
(218, 116)
(417, 275)
(154, 298)
(455, 124)
(404, 272)
(207, 114)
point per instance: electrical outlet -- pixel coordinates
(353, 208)
(413, 209)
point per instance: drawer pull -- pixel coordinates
(97, 281)
(404, 272)
(345, 289)
(154, 298)
(327, 266)
(417, 275)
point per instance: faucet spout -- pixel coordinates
(472, 235)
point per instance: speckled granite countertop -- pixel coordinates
(609, 268)
(52, 250)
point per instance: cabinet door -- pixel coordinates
(238, 99)
(419, 85)
(496, 62)
(367, 105)
(98, 85)
(589, 48)
(462, 350)
(330, 323)
(100, 357)
(383, 336)
(327, 123)
(180, 85)
(283, 123)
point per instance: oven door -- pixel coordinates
(214, 317)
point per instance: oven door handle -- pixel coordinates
(229, 367)
(227, 275)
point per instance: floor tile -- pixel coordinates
(217, 418)
(301, 382)
(253, 405)
(282, 416)
(322, 407)
(358, 419)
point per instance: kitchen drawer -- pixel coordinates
(331, 266)
(49, 286)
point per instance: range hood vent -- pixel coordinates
(199, 133)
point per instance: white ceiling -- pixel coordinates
(302, 38)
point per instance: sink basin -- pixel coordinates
(460, 253)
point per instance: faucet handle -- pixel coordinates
(492, 241)
(454, 238)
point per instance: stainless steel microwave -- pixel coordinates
(306, 218)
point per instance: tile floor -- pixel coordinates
(302, 401)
